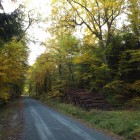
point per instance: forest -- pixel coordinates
(13, 55)
(90, 48)
(90, 69)
(94, 45)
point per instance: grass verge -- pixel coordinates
(125, 123)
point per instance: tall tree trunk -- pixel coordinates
(102, 46)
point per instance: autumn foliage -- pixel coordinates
(105, 58)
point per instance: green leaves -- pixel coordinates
(104, 56)
(11, 25)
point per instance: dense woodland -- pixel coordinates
(13, 54)
(90, 48)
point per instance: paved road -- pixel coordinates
(43, 123)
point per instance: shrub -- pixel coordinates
(115, 92)
(134, 103)
(135, 88)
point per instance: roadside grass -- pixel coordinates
(125, 123)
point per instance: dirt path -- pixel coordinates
(11, 121)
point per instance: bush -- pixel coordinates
(135, 88)
(70, 109)
(134, 103)
(115, 92)
(55, 94)
(4, 94)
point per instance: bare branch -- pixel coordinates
(29, 24)
(92, 16)
(83, 21)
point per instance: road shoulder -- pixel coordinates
(11, 121)
(54, 107)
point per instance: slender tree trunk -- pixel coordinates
(45, 84)
(60, 72)
(102, 46)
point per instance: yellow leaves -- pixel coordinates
(4, 93)
(83, 58)
(86, 76)
(13, 57)
(4, 96)
(54, 93)
(3, 77)
(43, 67)
(115, 84)
(104, 67)
(135, 86)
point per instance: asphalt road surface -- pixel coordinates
(43, 123)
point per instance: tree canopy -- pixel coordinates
(104, 59)
(13, 54)
(94, 45)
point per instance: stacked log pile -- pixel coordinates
(85, 99)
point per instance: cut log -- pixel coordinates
(85, 99)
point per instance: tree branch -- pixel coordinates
(29, 24)
(83, 21)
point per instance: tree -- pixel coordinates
(11, 26)
(104, 59)
(133, 16)
(95, 15)
(40, 75)
(16, 23)
(13, 66)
